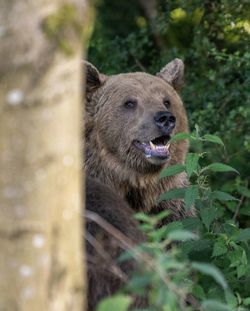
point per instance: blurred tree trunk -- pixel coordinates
(41, 260)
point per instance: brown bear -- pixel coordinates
(130, 119)
(105, 274)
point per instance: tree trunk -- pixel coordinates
(41, 260)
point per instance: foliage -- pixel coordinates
(118, 303)
(208, 255)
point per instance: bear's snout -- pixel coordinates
(165, 121)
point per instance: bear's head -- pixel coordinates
(133, 116)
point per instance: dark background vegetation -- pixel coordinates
(212, 38)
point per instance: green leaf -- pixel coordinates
(191, 223)
(168, 263)
(143, 217)
(161, 215)
(117, 303)
(207, 216)
(230, 298)
(246, 301)
(158, 234)
(245, 211)
(238, 259)
(198, 292)
(241, 270)
(235, 255)
(198, 248)
(213, 139)
(244, 235)
(173, 226)
(172, 170)
(219, 248)
(191, 163)
(244, 191)
(213, 305)
(180, 136)
(219, 167)
(191, 195)
(211, 271)
(182, 235)
(146, 227)
(222, 196)
(177, 193)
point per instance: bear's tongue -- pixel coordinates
(158, 147)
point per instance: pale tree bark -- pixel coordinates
(41, 260)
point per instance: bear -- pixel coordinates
(105, 274)
(129, 121)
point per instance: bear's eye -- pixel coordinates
(166, 103)
(130, 104)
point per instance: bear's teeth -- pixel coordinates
(167, 146)
(152, 145)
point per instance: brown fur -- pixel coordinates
(112, 159)
(105, 274)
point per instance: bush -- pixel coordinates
(209, 267)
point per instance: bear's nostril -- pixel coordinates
(163, 119)
(172, 119)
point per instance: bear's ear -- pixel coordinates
(93, 78)
(173, 73)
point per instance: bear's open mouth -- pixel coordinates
(157, 147)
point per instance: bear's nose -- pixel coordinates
(165, 121)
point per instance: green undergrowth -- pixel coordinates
(202, 262)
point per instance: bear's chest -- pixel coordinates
(140, 199)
